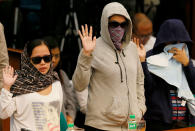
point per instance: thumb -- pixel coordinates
(3, 71)
(174, 57)
(183, 48)
(94, 38)
(15, 77)
(142, 46)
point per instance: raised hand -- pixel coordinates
(87, 41)
(180, 55)
(140, 48)
(8, 77)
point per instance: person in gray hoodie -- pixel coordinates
(110, 66)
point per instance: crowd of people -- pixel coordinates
(125, 71)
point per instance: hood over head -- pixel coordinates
(172, 30)
(109, 10)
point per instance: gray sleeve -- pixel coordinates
(4, 60)
(82, 98)
(82, 74)
(140, 89)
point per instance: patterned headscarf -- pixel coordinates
(29, 79)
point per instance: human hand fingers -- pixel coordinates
(86, 30)
(83, 31)
(90, 31)
(135, 41)
(81, 36)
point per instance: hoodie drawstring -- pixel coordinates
(117, 62)
(123, 53)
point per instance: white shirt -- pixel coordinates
(82, 97)
(150, 43)
(33, 111)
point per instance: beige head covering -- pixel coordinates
(114, 8)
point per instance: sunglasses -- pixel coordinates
(115, 24)
(37, 60)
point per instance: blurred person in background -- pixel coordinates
(143, 30)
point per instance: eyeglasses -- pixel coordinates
(37, 60)
(116, 24)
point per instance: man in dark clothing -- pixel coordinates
(169, 77)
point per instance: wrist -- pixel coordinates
(87, 53)
(186, 63)
(7, 87)
(142, 59)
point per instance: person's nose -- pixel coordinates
(42, 61)
(53, 59)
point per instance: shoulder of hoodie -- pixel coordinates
(101, 46)
(131, 45)
(131, 48)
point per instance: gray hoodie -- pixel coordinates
(115, 78)
(4, 60)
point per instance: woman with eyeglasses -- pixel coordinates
(110, 66)
(32, 96)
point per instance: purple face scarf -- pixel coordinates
(116, 35)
